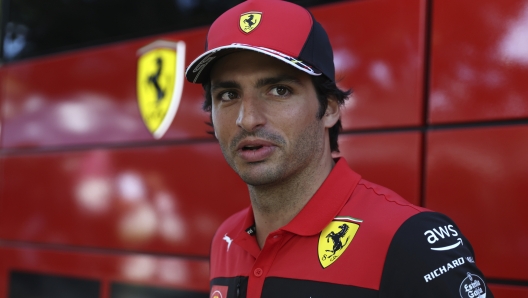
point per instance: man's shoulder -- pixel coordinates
(429, 254)
(379, 205)
(385, 196)
(429, 231)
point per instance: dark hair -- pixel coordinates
(324, 88)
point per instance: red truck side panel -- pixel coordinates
(478, 177)
(479, 61)
(151, 199)
(160, 271)
(389, 159)
(89, 97)
(378, 52)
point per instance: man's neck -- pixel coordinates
(276, 205)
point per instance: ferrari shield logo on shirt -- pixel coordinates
(250, 20)
(160, 74)
(335, 239)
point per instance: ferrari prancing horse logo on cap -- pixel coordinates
(250, 20)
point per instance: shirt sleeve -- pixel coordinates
(429, 257)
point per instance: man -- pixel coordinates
(314, 227)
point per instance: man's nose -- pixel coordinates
(251, 114)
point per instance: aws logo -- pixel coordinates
(443, 232)
(336, 238)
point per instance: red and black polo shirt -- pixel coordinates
(352, 239)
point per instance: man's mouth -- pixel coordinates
(255, 150)
(252, 147)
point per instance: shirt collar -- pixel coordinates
(321, 208)
(326, 202)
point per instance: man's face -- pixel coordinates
(264, 114)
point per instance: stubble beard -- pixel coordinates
(287, 169)
(247, 175)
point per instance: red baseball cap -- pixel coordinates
(276, 28)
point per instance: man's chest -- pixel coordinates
(336, 263)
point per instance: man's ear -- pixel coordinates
(332, 113)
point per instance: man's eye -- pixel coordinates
(228, 95)
(280, 91)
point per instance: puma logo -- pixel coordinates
(228, 240)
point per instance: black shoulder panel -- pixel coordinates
(429, 257)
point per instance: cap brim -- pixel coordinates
(199, 69)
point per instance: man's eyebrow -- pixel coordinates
(260, 83)
(224, 84)
(278, 79)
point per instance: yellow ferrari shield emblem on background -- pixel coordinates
(334, 240)
(160, 75)
(250, 20)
